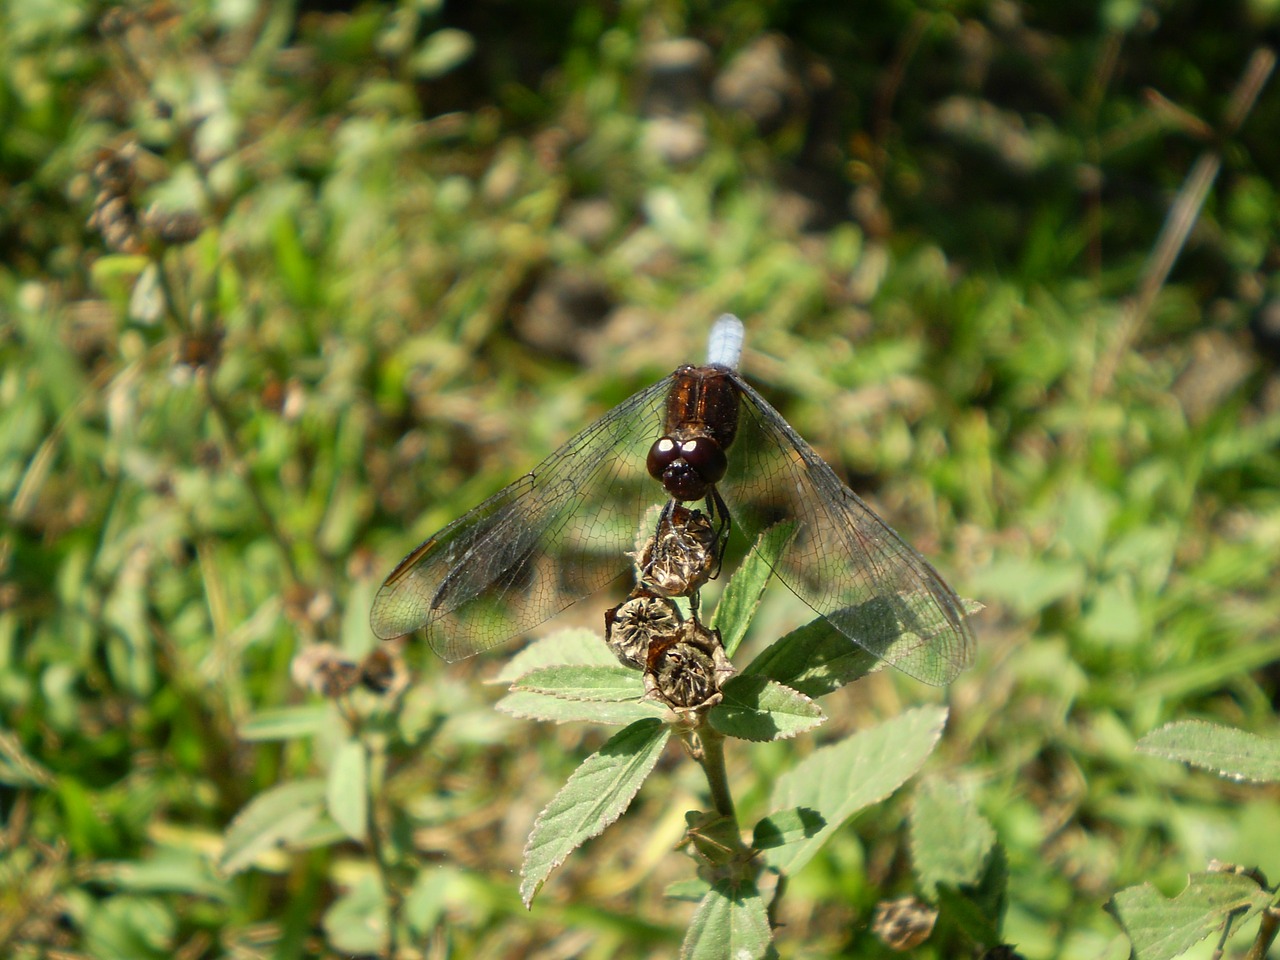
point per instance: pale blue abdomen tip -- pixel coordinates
(724, 346)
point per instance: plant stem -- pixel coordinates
(1267, 930)
(712, 760)
(376, 759)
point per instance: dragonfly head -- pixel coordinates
(687, 468)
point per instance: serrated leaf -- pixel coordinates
(759, 709)
(732, 615)
(839, 780)
(286, 723)
(347, 793)
(815, 659)
(730, 924)
(950, 839)
(610, 683)
(786, 826)
(966, 914)
(274, 817)
(1160, 928)
(539, 706)
(978, 909)
(579, 646)
(1228, 752)
(594, 797)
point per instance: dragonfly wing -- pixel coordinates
(844, 561)
(559, 533)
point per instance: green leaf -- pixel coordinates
(742, 593)
(357, 922)
(592, 683)
(539, 706)
(1234, 754)
(595, 796)
(786, 826)
(169, 870)
(691, 890)
(348, 789)
(950, 839)
(441, 52)
(815, 660)
(18, 768)
(1160, 928)
(839, 780)
(759, 709)
(286, 723)
(272, 818)
(730, 924)
(137, 928)
(578, 647)
(979, 909)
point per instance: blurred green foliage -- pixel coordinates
(284, 289)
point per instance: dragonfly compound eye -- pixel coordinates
(706, 458)
(689, 468)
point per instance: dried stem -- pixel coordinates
(1182, 217)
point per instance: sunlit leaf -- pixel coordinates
(273, 817)
(603, 683)
(576, 647)
(950, 839)
(348, 788)
(441, 52)
(595, 796)
(356, 923)
(731, 923)
(786, 826)
(839, 780)
(286, 723)
(755, 708)
(732, 615)
(814, 659)
(1161, 928)
(541, 706)
(1231, 753)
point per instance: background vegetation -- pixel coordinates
(284, 289)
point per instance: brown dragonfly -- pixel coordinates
(568, 527)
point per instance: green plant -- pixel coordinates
(572, 676)
(1226, 897)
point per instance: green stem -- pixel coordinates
(376, 758)
(712, 760)
(1267, 930)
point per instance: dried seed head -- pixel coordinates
(321, 668)
(903, 924)
(687, 670)
(632, 626)
(200, 350)
(383, 671)
(116, 219)
(681, 555)
(173, 227)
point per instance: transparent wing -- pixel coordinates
(556, 535)
(844, 561)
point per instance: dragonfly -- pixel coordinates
(567, 528)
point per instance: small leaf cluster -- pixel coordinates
(1225, 898)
